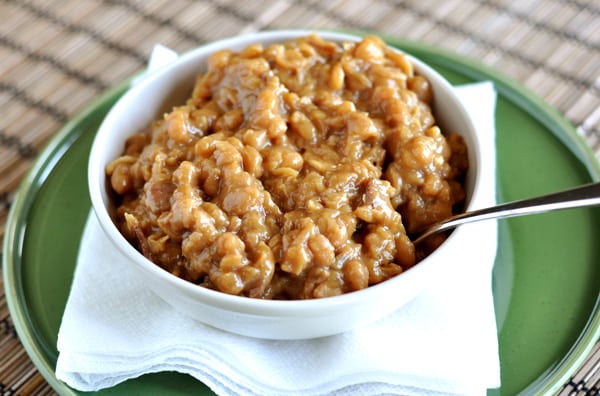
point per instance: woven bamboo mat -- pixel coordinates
(56, 56)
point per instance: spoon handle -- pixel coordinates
(586, 195)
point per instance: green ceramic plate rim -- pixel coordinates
(557, 375)
(22, 202)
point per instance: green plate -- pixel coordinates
(546, 276)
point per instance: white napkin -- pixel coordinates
(443, 342)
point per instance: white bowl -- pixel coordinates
(297, 319)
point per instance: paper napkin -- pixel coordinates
(442, 342)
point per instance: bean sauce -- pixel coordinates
(294, 171)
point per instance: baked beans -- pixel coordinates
(295, 170)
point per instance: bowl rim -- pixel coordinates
(241, 304)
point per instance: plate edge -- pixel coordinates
(13, 235)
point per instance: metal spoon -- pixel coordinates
(586, 195)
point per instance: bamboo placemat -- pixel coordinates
(56, 56)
